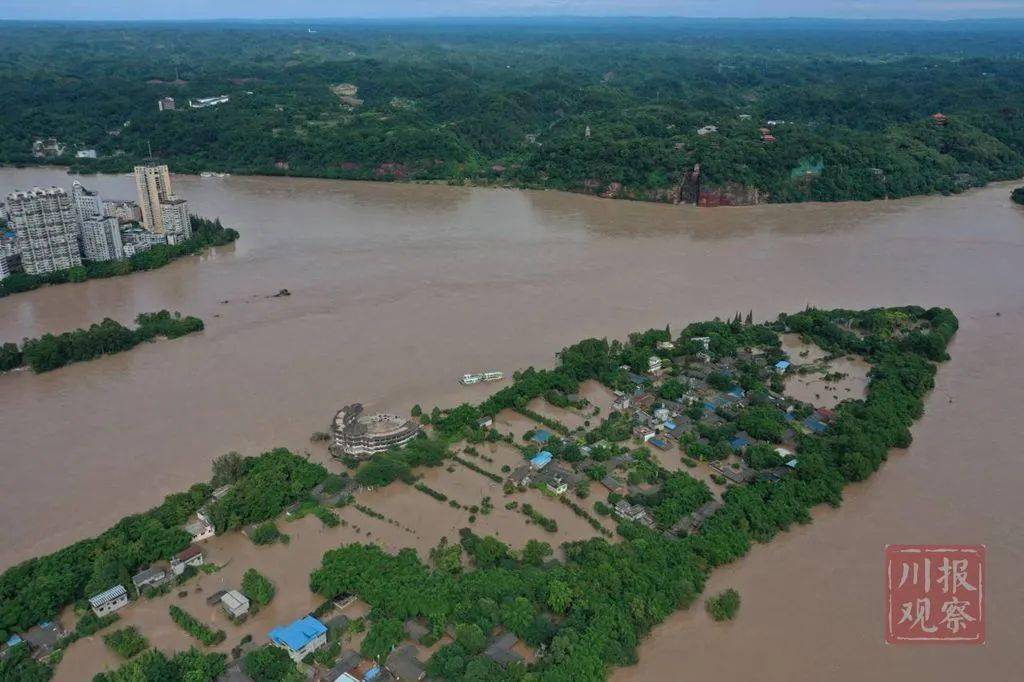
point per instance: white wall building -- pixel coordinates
(101, 239)
(99, 236)
(107, 602)
(47, 230)
(174, 216)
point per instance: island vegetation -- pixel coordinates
(724, 606)
(591, 610)
(50, 351)
(126, 642)
(36, 590)
(666, 109)
(205, 233)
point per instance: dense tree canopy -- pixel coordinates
(587, 105)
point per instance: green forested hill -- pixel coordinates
(511, 102)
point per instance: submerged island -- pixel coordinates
(618, 479)
(50, 351)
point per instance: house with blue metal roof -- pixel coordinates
(782, 365)
(300, 638)
(815, 425)
(541, 436)
(736, 392)
(740, 442)
(541, 460)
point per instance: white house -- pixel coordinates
(193, 556)
(107, 602)
(200, 530)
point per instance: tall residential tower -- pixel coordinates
(99, 235)
(162, 212)
(46, 228)
(152, 181)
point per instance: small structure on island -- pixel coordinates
(192, 556)
(151, 577)
(541, 436)
(234, 603)
(540, 460)
(109, 601)
(654, 364)
(42, 639)
(782, 366)
(404, 665)
(300, 638)
(359, 434)
(200, 529)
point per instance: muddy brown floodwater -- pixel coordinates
(400, 289)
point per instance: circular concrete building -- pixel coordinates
(362, 435)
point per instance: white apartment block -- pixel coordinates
(46, 228)
(175, 219)
(101, 239)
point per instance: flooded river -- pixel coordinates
(397, 290)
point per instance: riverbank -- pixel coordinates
(723, 194)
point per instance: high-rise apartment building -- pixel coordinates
(86, 203)
(47, 230)
(99, 235)
(174, 215)
(153, 182)
(101, 239)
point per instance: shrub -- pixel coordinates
(126, 642)
(724, 606)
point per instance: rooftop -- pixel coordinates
(102, 598)
(297, 634)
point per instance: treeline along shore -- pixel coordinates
(205, 233)
(50, 351)
(589, 611)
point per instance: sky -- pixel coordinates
(283, 9)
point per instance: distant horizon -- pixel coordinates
(373, 10)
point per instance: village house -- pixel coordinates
(299, 638)
(234, 603)
(540, 460)
(484, 422)
(613, 485)
(654, 364)
(404, 665)
(521, 475)
(42, 639)
(739, 473)
(192, 556)
(200, 530)
(109, 601)
(344, 666)
(541, 436)
(633, 512)
(622, 402)
(151, 577)
(703, 513)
